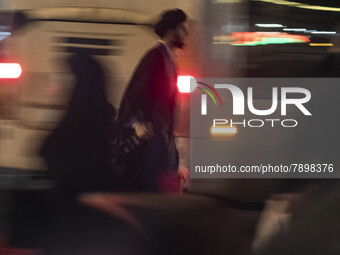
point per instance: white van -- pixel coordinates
(116, 34)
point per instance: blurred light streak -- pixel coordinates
(269, 25)
(324, 32)
(280, 2)
(295, 29)
(260, 38)
(322, 44)
(320, 8)
(3, 35)
(301, 5)
(10, 70)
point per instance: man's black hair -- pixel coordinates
(170, 19)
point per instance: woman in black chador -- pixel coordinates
(77, 152)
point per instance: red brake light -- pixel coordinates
(10, 70)
(186, 83)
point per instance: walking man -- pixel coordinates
(148, 106)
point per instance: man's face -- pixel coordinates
(181, 34)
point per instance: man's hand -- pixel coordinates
(183, 173)
(173, 181)
(144, 130)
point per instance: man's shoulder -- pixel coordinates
(159, 47)
(154, 57)
(156, 52)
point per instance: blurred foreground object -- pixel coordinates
(314, 228)
(172, 224)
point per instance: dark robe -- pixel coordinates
(150, 97)
(77, 152)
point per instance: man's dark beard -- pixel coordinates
(179, 44)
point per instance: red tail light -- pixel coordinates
(10, 70)
(186, 83)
